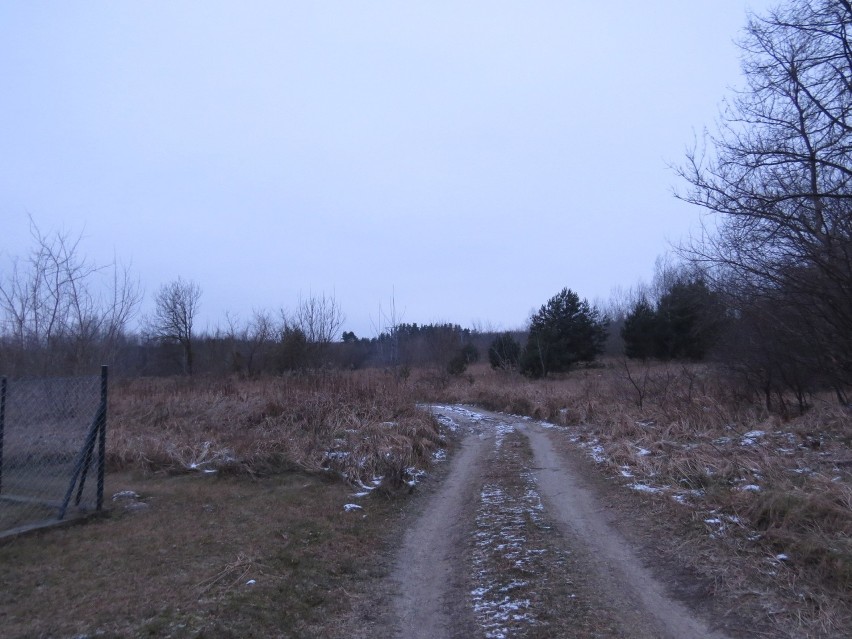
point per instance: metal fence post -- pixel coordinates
(102, 436)
(2, 425)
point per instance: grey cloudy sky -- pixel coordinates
(468, 158)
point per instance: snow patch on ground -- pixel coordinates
(597, 452)
(501, 431)
(645, 488)
(460, 410)
(750, 488)
(414, 476)
(447, 422)
(750, 438)
(501, 519)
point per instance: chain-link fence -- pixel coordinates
(52, 436)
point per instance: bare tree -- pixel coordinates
(59, 311)
(778, 178)
(251, 342)
(319, 318)
(176, 306)
(387, 333)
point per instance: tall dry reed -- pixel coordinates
(361, 426)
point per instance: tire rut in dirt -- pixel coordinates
(430, 576)
(523, 581)
(645, 609)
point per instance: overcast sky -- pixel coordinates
(469, 159)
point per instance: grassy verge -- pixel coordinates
(205, 556)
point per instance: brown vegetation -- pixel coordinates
(363, 426)
(766, 497)
(760, 501)
(263, 546)
(212, 556)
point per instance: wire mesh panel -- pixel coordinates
(51, 448)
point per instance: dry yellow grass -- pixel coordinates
(360, 426)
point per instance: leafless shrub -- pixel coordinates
(60, 312)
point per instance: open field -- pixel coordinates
(755, 504)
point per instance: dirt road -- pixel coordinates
(516, 543)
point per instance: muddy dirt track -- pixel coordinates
(515, 542)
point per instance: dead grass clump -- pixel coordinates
(811, 529)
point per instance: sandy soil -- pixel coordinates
(566, 570)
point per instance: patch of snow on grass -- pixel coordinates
(682, 496)
(750, 438)
(204, 455)
(500, 540)
(375, 483)
(501, 431)
(598, 453)
(337, 454)
(802, 471)
(415, 474)
(465, 412)
(125, 494)
(644, 488)
(447, 422)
